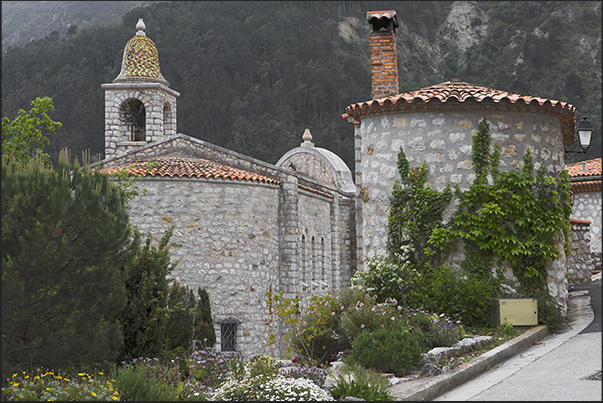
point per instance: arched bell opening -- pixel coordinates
(134, 120)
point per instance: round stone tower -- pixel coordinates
(436, 125)
(140, 108)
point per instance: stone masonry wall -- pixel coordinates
(316, 270)
(587, 206)
(160, 105)
(226, 240)
(579, 262)
(444, 140)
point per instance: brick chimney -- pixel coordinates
(384, 61)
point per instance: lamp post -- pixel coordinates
(584, 133)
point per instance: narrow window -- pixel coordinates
(323, 264)
(304, 267)
(228, 332)
(313, 262)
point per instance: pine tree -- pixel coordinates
(66, 239)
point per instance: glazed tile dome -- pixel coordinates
(141, 60)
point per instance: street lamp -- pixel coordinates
(584, 133)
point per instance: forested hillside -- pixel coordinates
(253, 75)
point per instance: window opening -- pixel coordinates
(304, 267)
(323, 265)
(228, 335)
(314, 284)
(135, 120)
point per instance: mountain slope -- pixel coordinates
(253, 75)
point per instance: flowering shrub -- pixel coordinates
(151, 379)
(445, 331)
(262, 365)
(48, 386)
(315, 374)
(211, 368)
(276, 388)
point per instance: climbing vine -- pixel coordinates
(510, 216)
(515, 216)
(416, 211)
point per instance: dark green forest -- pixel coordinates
(253, 75)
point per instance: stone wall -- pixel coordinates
(225, 239)
(587, 206)
(241, 239)
(161, 114)
(443, 139)
(579, 262)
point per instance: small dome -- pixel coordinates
(141, 60)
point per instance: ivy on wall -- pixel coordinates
(513, 216)
(510, 216)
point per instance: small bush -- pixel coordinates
(211, 368)
(133, 384)
(262, 366)
(549, 311)
(48, 386)
(466, 299)
(315, 374)
(385, 350)
(276, 388)
(361, 389)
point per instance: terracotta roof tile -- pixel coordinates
(591, 168)
(456, 91)
(189, 168)
(578, 172)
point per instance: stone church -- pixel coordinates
(244, 227)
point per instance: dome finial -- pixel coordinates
(140, 27)
(307, 139)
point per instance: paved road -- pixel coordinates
(563, 366)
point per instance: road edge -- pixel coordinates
(467, 371)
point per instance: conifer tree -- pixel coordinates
(204, 324)
(66, 239)
(145, 316)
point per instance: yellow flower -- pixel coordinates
(81, 374)
(93, 394)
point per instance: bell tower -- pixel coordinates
(140, 107)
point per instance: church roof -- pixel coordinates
(187, 168)
(141, 59)
(458, 92)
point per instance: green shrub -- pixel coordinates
(370, 388)
(385, 350)
(262, 365)
(549, 311)
(133, 385)
(466, 299)
(50, 386)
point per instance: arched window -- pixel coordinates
(134, 120)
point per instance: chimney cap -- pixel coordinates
(379, 19)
